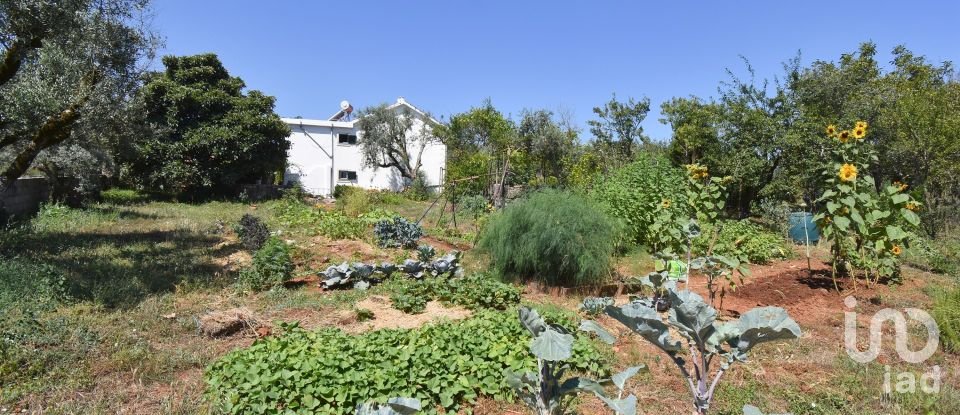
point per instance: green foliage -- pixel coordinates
(447, 365)
(397, 233)
(394, 137)
(478, 291)
(636, 194)
(364, 314)
(122, 197)
(412, 297)
(69, 73)
(210, 136)
(741, 239)
(594, 306)
(252, 231)
(946, 311)
(425, 253)
(474, 292)
(271, 267)
(354, 203)
(297, 216)
(554, 236)
(619, 129)
(419, 188)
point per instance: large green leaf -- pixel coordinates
(764, 324)
(531, 320)
(620, 379)
(591, 326)
(646, 322)
(900, 198)
(910, 217)
(552, 345)
(625, 406)
(895, 233)
(832, 207)
(692, 316)
(842, 222)
(575, 385)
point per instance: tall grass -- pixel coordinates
(556, 237)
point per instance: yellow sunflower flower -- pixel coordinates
(848, 173)
(665, 203)
(697, 171)
(861, 124)
(859, 133)
(843, 136)
(896, 250)
(831, 130)
(913, 206)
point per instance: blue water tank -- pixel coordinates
(799, 220)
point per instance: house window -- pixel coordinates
(347, 139)
(347, 175)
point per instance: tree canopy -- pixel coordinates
(392, 137)
(208, 135)
(68, 75)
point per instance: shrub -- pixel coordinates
(446, 365)
(554, 236)
(946, 311)
(419, 189)
(252, 231)
(354, 203)
(397, 233)
(342, 190)
(634, 193)
(122, 197)
(271, 267)
(475, 205)
(742, 239)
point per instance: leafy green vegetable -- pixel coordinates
(447, 365)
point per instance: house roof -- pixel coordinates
(350, 124)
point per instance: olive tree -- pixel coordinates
(68, 71)
(393, 137)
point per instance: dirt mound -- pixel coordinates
(228, 322)
(387, 317)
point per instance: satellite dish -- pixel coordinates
(346, 107)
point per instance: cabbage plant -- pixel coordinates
(708, 341)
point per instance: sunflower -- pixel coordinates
(848, 173)
(665, 204)
(844, 136)
(896, 250)
(697, 171)
(859, 133)
(831, 130)
(827, 220)
(912, 206)
(862, 125)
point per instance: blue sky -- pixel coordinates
(446, 56)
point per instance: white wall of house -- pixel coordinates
(316, 154)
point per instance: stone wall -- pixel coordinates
(24, 197)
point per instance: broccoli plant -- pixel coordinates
(545, 392)
(708, 340)
(425, 253)
(394, 406)
(397, 233)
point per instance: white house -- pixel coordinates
(326, 153)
